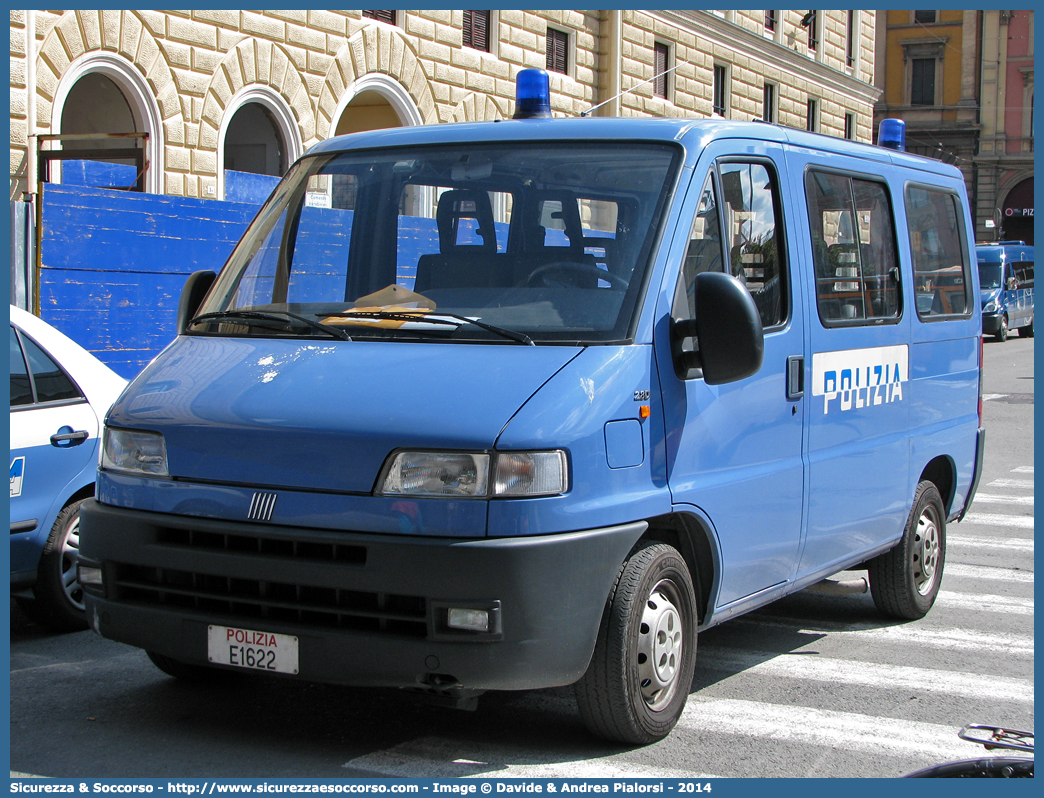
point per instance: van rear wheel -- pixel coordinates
(639, 678)
(905, 580)
(1027, 331)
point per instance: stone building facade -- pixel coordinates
(183, 77)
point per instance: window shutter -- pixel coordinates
(660, 53)
(382, 15)
(476, 30)
(556, 50)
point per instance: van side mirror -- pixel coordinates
(195, 289)
(1013, 284)
(730, 342)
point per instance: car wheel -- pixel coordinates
(184, 670)
(59, 597)
(640, 675)
(1027, 331)
(1002, 331)
(905, 580)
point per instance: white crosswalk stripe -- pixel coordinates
(909, 634)
(825, 728)
(985, 603)
(1005, 544)
(1012, 483)
(991, 519)
(991, 498)
(1009, 575)
(867, 674)
(438, 757)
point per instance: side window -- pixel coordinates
(853, 249)
(51, 383)
(942, 269)
(704, 251)
(1024, 273)
(21, 388)
(749, 203)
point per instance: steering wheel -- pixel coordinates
(539, 275)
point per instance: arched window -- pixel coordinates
(375, 102)
(259, 136)
(100, 93)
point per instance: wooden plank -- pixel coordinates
(113, 264)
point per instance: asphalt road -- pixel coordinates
(814, 685)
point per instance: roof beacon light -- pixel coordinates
(532, 95)
(892, 134)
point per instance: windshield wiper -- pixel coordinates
(438, 318)
(278, 316)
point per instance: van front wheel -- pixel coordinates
(905, 580)
(1002, 331)
(639, 678)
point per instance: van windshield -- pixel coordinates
(530, 242)
(989, 276)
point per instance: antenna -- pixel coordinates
(635, 86)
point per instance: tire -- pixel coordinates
(186, 671)
(905, 580)
(636, 686)
(1002, 331)
(1027, 331)
(59, 597)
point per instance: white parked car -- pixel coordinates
(59, 396)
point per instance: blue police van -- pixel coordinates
(1006, 286)
(530, 403)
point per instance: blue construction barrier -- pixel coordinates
(248, 187)
(113, 264)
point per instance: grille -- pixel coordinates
(250, 544)
(250, 599)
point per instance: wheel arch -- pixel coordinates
(693, 539)
(942, 472)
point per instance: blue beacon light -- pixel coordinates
(532, 95)
(892, 134)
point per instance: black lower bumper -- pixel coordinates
(367, 609)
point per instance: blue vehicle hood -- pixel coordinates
(324, 415)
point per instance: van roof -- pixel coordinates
(694, 134)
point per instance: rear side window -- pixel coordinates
(1024, 273)
(43, 381)
(942, 268)
(853, 249)
(21, 388)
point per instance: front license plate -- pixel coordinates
(247, 648)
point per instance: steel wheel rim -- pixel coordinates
(69, 561)
(926, 552)
(661, 645)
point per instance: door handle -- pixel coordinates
(795, 377)
(64, 440)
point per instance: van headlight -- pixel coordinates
(134, 452)
(991, 307)
(467, 474)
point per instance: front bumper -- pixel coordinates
(991, 323)
(367, 609)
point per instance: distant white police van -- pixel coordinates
(529, 403)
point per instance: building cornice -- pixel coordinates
(727, 34)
